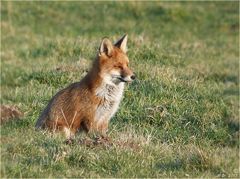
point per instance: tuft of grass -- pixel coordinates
(180, 118)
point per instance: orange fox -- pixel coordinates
(89, 104)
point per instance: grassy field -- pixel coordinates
(180, 118)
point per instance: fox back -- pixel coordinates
(89, 104)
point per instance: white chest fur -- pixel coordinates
(111, 96)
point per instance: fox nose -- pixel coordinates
(133, 77)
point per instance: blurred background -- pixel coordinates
(155, 20)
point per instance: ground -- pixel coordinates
(180, 118)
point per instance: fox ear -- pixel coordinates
(122, 43)
(106, 47)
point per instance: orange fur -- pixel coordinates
(89, 104)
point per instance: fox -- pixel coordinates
(88, 105)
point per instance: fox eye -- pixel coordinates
(118, 66)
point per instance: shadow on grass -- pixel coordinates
(225, 78)
(232, 92)
(233, 128)
(191, 161)
(171, 165)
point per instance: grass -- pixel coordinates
(180, 118)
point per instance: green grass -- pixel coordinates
(180, 118)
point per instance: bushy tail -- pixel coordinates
(42, 119)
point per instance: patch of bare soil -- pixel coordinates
(8, 113)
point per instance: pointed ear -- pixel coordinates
(122, 43)
(106, 47)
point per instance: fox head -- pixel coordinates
(113, 62)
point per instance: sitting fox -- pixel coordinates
(89, 104)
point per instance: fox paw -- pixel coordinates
(69, 141)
